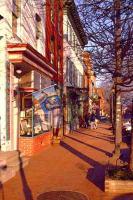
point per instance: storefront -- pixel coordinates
(30, 127)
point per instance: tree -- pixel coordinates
(108, 26)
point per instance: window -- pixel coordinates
(67, 69)
(59, 63)
(76, 76)
(69, 32)
(74, 41)
(14, 23)
(15, 15)
(60, 20)
(16, 7)
(38, 26)
(52, 50)
(70, 72)
(52, 11)
(33, 119)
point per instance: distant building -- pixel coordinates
(89, 81)
(104, 107)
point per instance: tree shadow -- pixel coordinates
(124, 197)
(2, 196)
(96, 166)
(101, 138)
(91, 146)
(26, 189)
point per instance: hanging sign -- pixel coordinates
(48, 98)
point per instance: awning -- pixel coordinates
(26, 58)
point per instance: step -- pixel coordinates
(20, 167)
(8, 154)
(16, 157)
(7, 174)
(19, 163)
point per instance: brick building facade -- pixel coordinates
(32, 52)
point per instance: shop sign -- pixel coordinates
(48, 98)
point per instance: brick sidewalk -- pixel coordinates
(77, 165)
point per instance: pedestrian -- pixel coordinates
(86, 117)
(96, 122)
(81, 121)
(92, 120)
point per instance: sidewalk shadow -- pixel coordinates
(99, 180)
(124, 197)
(2, 196)
(91, 146)
(101, 138)
(26, 189)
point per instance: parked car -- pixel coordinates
(126, 129)
(103, 118)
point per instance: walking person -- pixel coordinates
(92, 120)
(86, 117)
(96, 122)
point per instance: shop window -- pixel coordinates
(33, 120)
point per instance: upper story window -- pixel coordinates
(14, 23)
(52, 49)
(67, 69)
(38, 26)
(60, 19)
(74, 41)
(16, 5)
(52, 10)
(15, 15)
(69, 32)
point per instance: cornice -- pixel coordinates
(71, 10)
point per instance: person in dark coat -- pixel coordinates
(86, 117)
(92, 120)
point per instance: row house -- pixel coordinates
(89, 82)
(96, 100)
(73, 67)
(31, 58)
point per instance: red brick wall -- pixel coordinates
(30, 146)
(55, 30)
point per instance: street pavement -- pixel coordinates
(73, 170)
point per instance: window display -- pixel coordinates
(33, 120)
